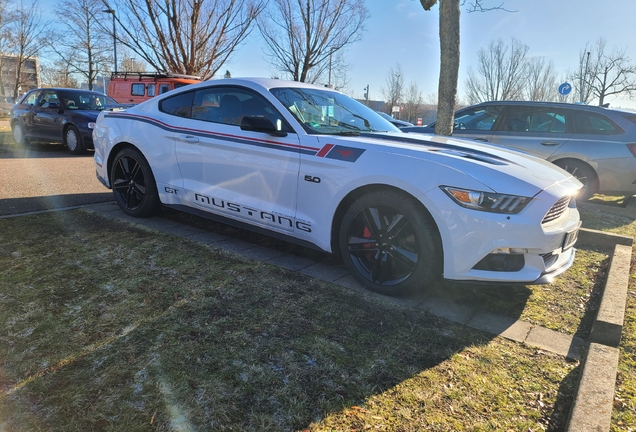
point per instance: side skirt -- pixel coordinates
(243, 225)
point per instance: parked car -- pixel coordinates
(6, 103)
(58, 115)
(394, 121)
(316, 167)
(137, 87)
(596, 144)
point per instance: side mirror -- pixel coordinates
(260, 124)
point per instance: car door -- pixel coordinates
(25, 111)
(48, 117)
(536, 129)
(245, 175)
(476, 122)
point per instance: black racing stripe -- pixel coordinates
(448, 148)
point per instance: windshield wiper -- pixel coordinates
(346, 133)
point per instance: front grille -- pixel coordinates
(549, 259)
(557, 209)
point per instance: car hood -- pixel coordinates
(501, 169)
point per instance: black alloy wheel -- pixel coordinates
(389, 245)
(583, 173)
(134, 185)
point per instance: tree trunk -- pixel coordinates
(449, 65)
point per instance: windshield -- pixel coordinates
(86, 101)
(328, 112)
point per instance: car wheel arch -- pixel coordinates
(113, 153)
(593, 183)
(359, 192)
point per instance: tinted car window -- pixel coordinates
(477, 118)
(596, 124)
(179, 105)
(47, 98)
(535, 119)
(228, 105)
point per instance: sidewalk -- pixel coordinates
(592, 406)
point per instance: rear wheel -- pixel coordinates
(134, 185)
(389, 244)
(583, 173)
(19, 134)
(73, 140)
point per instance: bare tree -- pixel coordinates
(81, 43)
(394, 91)
(194, 37)
(449, 12)
(7, 17)
(501, 73)
(303, 36)
(541, 82)
(413, 102)
(24, 42)
(58, 74)
(606, 74)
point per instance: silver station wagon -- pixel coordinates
(595, 144)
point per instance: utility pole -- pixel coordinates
(366, 94)
(585, 75)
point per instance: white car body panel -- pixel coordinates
(293, 185)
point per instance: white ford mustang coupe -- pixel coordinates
(316, 167)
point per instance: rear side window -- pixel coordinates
(179, 105)
(596, 124)
(151, 89)
(477, 118)
(529, 119)
(164, 88)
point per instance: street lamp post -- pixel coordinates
(331, 50)
(112, 11)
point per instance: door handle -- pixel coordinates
(188, 139)
(550, 143)
(481, 139)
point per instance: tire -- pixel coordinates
(583, 173)
(133, 184)
(19, 135)
(73, 140)
(389, 244)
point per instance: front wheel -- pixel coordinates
(583, 173)
(134, 185)
(389, 244)
(73, 140)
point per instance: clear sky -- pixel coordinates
(400, 31)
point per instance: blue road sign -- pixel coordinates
(565, 89)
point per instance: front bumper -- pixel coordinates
(469, 237)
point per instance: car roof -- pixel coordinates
(550, 104)
(267, 83)
(70, 90)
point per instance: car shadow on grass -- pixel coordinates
(127, 328)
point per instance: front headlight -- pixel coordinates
(487, 201)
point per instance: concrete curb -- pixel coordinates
(592, 407)
(594, 399)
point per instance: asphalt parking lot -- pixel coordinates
(44, 177)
